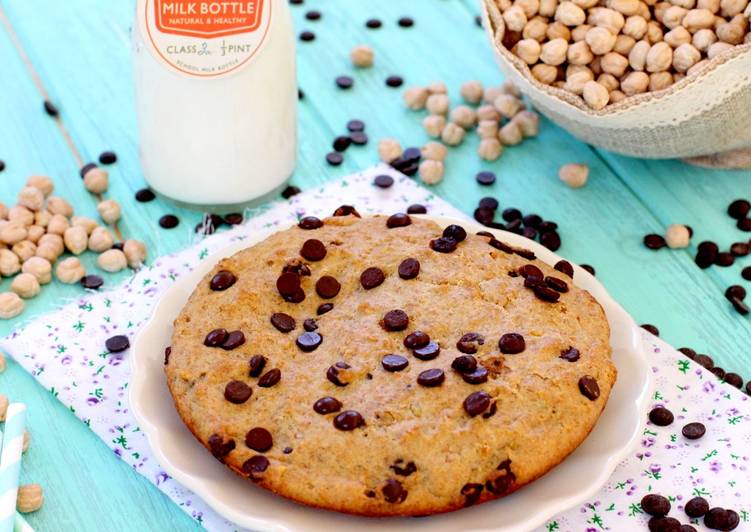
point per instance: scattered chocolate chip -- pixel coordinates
(476, 403)
(290, 191)
(485, 178)
(733, 379)
(234, 339)
(416, 339)
(222, 280)
(571, 354)
(733, 519)
(237, 392)
(661, 416)
(398, 220)
(478, 376)
(529, 232)
(470, 342)
(394, 81)
(724, 259)
(307, 36)
(372, 277)
(256, 365)
(740, 249)
(283, 322)
(341, 143)
(346, 210)
(739, 209)
(255, 465)
(92, 282)
(332, 374)
(431, 377)
(464, 364)
(334, 158)
(739, 306)
(409, 268)
(393, 491)
(308, 341)
(655, 505)
(324, 308)
(405, 470)
(551, 240)
(313, 250)
(456, 232)
(716, 518)
(117, 343)
(589, 388)
(394, 363)
(443, 245)
(484, 215)
(383, 181)
(327, 287)
(344, 82)
(373, 23)
(417, 209)
(718, 372)
(297, 267)
(502, 246)
(428, 352)
(270, 378)
(565, 267)
(664, 524)
(327, 405)
(310, 324)
(654, 241)
(359, 138)
(145, 195)
(504, 480)
(313, 15)
(704, 360)
(511, 343)
(693, 431)
(650, 328)
(51, 109)
(309, 222)
(696, 507)
(287, 450)
(746, 273)
(168, 221)
(219, 447)
(395, 320)
(355, 125)
(234, 218)
(589, 269)
(348, 420)
(405, 22)
(259, 439)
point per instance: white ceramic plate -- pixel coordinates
(575, 480)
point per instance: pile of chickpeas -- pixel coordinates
(41, 228)
(607, 50)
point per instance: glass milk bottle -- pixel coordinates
(216, 97)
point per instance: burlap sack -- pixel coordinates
(701, 116)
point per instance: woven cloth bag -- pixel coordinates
(705, 118)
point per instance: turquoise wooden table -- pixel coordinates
(80, 50)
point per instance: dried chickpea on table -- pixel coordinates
(607, 50)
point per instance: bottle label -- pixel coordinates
(204, 38)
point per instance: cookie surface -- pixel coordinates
(381, 370)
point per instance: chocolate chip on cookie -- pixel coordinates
(427, 352)
(310, 324)
(234, 339)
(327, 405)
(571, 354)
(403, 471)
(546, 294)
(393, 491)
(324, 308)
(220, 447)
(512, 343)
(346, 210)
(348, 420)
(259, 439)
(313, 250)
(456, 232)
(589, 388)
(559, 285)
(255, 465)
(416, 339)
(501, 246)
(409, 268)
(395, 320)
(476, 403)
(309, 341)
(372, 277)
(398, 220)
(470, 342)
(394, 363)
(215, 338)
(478, 376)
(565, 267)
(309, 222)
(443, 244)
(256, 365)
(327, 287)
(464, 364)
(333, 373)
(471, 492)
(431, 378)
(283, 322)
(288, 284)
(237, 392)
(270, 378)
(222, 280)
(531, 272)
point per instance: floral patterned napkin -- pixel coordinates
(65, 351)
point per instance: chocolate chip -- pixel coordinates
(739, 306)
(169, 221)
(589, 388)
(491, 412)
(334, 158)
(310, 324)
(283, 322)
(511, 343)
(234, 218)
(393, 491)
(529, 232)
(693, 431)
(431, 378)
(485, 178)
(687, 351)
(237, 392)
(733, 520)
(215, 338)
(696, 507)
(551, 240)
(117, 343)
(51, 109)
(655, 505)
(255, 465)
(488, 203)
(219, 447)
(416, 339)
(92, 282)
(740, 249)
(167, 353)
(650, 328)
(428, 352)
(484, 215)
(355, 125)
(394, 81)
(733, 379)
(398, 220)
(372, 277)
(297, 267)
(409, 268)
(504, 480)
(571, 354)
(559, 285)
(464, 364)
(531, 272)
(327, 287)
(344, 82)
(348, 420)
(332, 374)
(341, 143)
(307, 36)
(395, 320)
(222, 280)
(270, 378)
(309, 222)
(394, 363)
(406, 22)
(746, 273)
(308, 341)
(724, 259)
(716, 518)
(704, 360)
(324, 308)
(346, 210)
(443, 245)
(145, 195)
(234, 339)
(456, 232)
(256, 365)
(404, 471)
(502, 246)
(565, 266)
(469, 343)
(313, 250)
(654, 241)
(735, 291)
(327, 405)
(478, 376)
(718, 372)
(359, 138)
(383, 181)
(589, 269)
(417, 209)
(661, 416)
(664, 524)
(373, 23)
(476, 403)
(546, 294)
(259, 439)
(288, 284)
(471, 493)
(739, 209)
(527, 254)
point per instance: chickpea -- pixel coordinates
(42, 218)
(731, 8)
(471, 91)
(528, 51)
(112, 260)
(617, 96)
(463, 116)
(415, 97)
(452, 134)
(659, 57)
(697, 19)
(21, 215)
(660, 80)
(507, 105)
(558, 30)
(510, 134)
(654, 32)
(734, 31)
(535, 29)
(644, 11)
(96, 180)
(10, 264)
(600, 40)
(491, 93)
(438, 87)
(57, 205)
(39, 268)
(579, 54)
(614, 64)
(718, 48)
(609, 81)
(515, 19)
(548, 7)
(431, 172)
(490, 149)
(388, 150)
(12, 232)
(554, 52)
(487, 112)
(609, 19)
(487, 128)
(70, 270)
(25, 249)
(626, 7)
(623, 45)
(586, 4)
(595, 95)
(54, 241)
(434, 151)
(703, 39)
(635, 83)
(570, 14)
(26, 286)
(58, 224)
(101, 239)
(76, 239)
(576, 77)
(673, 16)
(711, 5)
(362, 56)
(32, 198)
(433, 125)
(42, 182)
(574, 175)
(47, 252)
(10, 305)
(685, 56)
(437, 104)
(579, 33)
(596, 65)
(530, 7)
(34, 233)
(88, 224)
(109, 210)
(677, 36)
(545, 74)
(685, 4)
(677, 236)
(529, 123)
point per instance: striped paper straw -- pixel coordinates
(10, 464)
